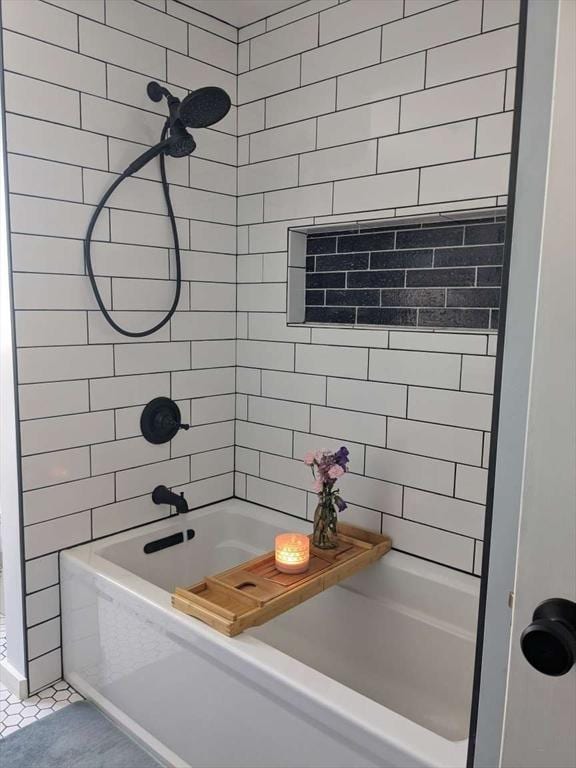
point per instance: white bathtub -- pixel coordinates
(374, 672)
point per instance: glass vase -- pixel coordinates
(325, 533)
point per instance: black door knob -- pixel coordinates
(549, 642)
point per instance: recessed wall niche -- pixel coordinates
(421, 273)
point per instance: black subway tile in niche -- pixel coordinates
(430, 238)
(325, 279)
(401, 259)
(345, 315)
(314, 298)
(342, 261)
(320, 245)
(468, 255)
(379, 278)
(489, 276)
(440, 277)
(353, 298)
(453, 318)
(413, 297)
(482, 234)
(387, 316)
(369, 241)
(435, 274)
(473, 297)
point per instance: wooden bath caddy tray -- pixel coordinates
(255, 591)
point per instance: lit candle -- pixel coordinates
(292, 552)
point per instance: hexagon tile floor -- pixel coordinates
(15, 714)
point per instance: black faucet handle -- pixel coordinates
(161, 420)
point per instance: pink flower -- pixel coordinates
(319, 455)
(309, 458)
(318, 485)
(335, 471)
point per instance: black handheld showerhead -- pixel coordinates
(181, 143)
(204, 107)
(199, 109)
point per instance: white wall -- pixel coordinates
(77, 113)
(353, 111)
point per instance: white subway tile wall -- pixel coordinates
(77, 113)
(398, 108)
(329, 96)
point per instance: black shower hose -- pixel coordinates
(132, 168)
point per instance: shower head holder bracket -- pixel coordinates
(161, 420)
(155, 91)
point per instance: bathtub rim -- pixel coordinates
(346, 704)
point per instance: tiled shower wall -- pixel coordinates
(350, 112)
(77, 114)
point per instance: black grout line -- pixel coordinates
(122, 30)
(366, 175)
(115, 472)
(378, 214)
(404, 56)
(295, 430)
(112, 208)
(398, 97)
(151, 112)
(381, 27)
(110, 409)
(368, 66)
(122, 470)
(94, 169)
(379, 511)
(167, 516)
(210, 16)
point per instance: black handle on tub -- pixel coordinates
(159, 544)
(168, 541)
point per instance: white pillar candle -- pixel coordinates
(292, 552)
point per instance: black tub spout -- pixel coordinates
(163, 495)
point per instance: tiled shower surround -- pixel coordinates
(77, 113)
(426, 276)
(351, 114)
(347, 112)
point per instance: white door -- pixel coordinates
(526, 718)
(540, 715)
